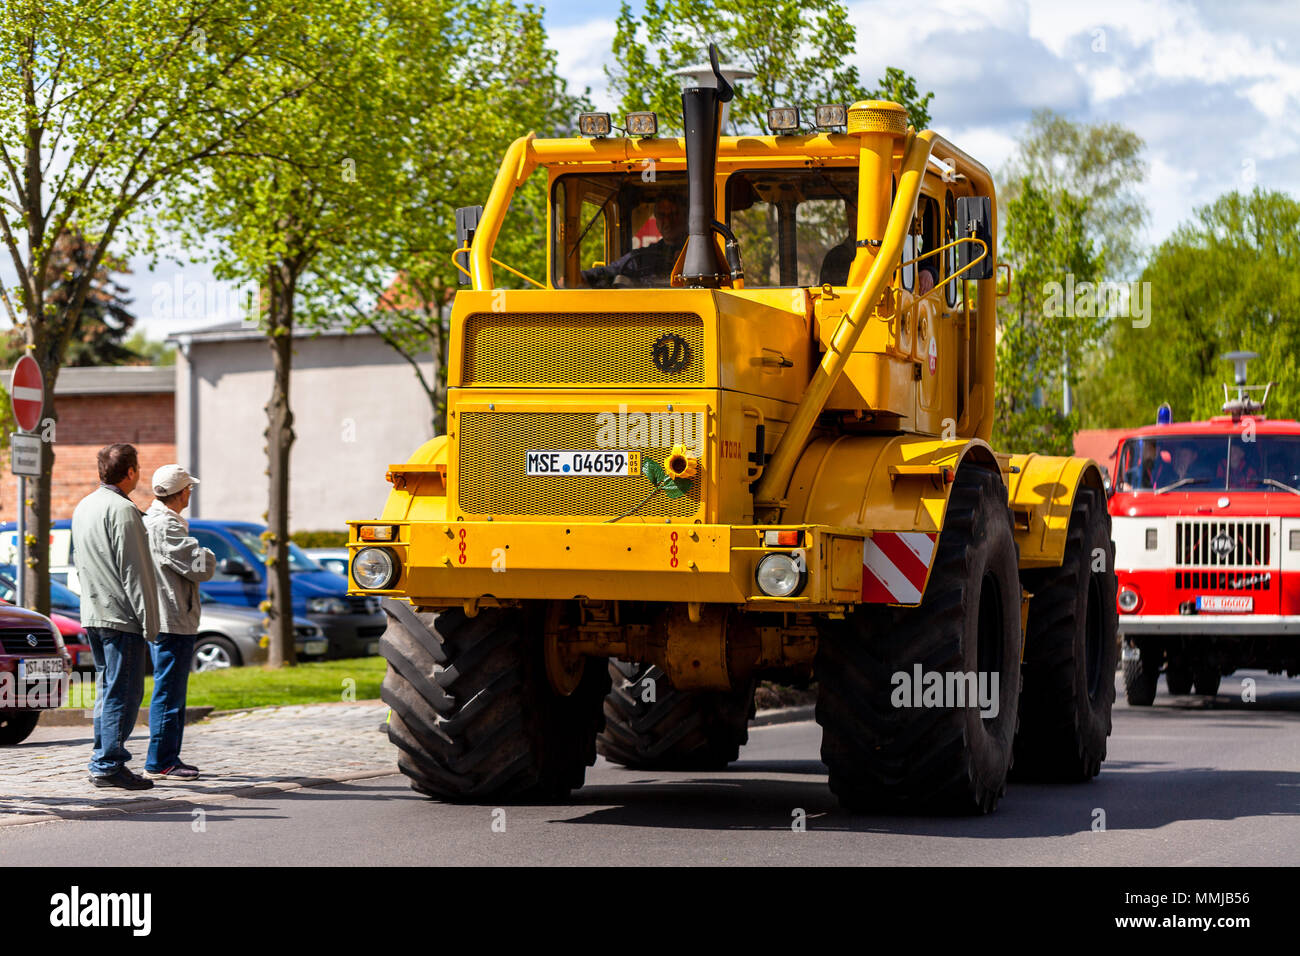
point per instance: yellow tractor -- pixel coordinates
(739, 431)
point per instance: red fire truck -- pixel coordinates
(1205, 518)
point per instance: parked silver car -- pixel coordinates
(230, 636)
(331, 559)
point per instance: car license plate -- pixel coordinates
(85, 658)
(372, 647)
(1217, 604)
(582, 463)
(315, 647)
(40, 669)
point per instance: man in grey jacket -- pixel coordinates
(181, 564)
(119, 609)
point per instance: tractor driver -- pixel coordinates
(652, 264)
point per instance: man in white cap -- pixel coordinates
(181, 564)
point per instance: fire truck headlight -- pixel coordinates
(1128, 600)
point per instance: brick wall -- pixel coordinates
(86, 423)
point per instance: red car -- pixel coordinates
(34, 671)
(1206, 522)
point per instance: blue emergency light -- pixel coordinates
(1164, 414)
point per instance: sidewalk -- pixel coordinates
(277, 749)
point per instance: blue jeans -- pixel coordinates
(172, 657)
(119, 688)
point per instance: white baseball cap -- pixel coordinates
(170, 479)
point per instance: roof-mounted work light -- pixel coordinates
(594, 124)
(783, 119)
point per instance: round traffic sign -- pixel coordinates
(27, 392)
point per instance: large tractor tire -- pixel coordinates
(1142, 675)
(701, 730)
(1068, 675)
(473, 714)
(934, 758)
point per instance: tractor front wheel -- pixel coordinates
(474, 716)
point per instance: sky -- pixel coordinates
(1212, 87)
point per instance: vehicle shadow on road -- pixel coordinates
(1130, 796)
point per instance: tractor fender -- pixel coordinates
(1041, 489)
(420, 485)
(896, 487)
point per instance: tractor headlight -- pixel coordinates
(643, 123)
(831, 116)
(374, 569)
(594, 124)
(781, 575)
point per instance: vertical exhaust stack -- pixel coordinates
(702, 119)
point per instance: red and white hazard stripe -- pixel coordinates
(894, 565)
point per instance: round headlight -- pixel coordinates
(1128, 600)
(779, 575)
(374, 569)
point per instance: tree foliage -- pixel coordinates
(799, 53)
(1227, 279)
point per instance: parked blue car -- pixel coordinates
(352, 624)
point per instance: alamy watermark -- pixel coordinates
(922, 688)
(1098, 300)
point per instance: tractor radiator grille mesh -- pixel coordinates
(577, 348)
(492, 481)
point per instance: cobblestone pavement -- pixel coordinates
(273, 749)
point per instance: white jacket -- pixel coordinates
(181, 563)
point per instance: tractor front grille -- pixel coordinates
(576, 348)
(492, 449)
(1222, 544)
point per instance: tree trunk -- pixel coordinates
(281, 285)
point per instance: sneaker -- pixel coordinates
(177, 771)
(123, 779)
(187, 766)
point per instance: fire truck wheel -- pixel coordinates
(1068, 674)
(674, 730)
(1207, 680)
(890, 742)
(1178, 678)
(474, 716)
(1142, 675)
(17, 726)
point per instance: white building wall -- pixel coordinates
(357, 409)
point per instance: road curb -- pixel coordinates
(783, 715)
(77, 716)
(256, 790)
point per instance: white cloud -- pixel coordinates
(584, 50)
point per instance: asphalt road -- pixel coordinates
(1184, 784)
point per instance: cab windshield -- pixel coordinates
(1210, 463)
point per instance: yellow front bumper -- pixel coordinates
(446, 563)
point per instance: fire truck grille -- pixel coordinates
(1223, 581)
(492, 481)
(1222, 544)
(601, 348)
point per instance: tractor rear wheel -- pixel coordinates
(649, 725)
(1142, 674)
(1068, 674)
(885, 752)
(474, 716)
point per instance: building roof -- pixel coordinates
(116, 380)
(239, 331)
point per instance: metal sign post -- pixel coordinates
(27, 392)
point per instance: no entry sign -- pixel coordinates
(28, 393)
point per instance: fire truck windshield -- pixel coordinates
(1210, 463)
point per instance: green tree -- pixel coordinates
(1040, 345)
(1100, 161)
(498, 75)
(103, 108)
(1227, 279)
(772, 39)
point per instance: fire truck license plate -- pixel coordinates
(582, 463)
(1214, 604)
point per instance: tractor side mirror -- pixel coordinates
(975, 221)
(467, 219)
